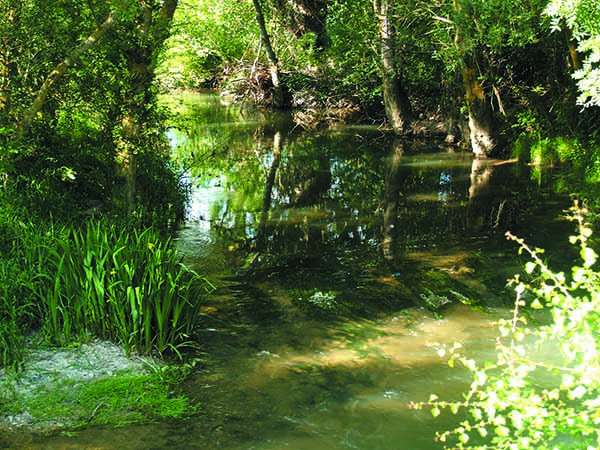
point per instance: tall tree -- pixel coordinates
(397, 104)
(482, 129)
(141, 52)
(279, 100)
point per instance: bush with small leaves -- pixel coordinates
(527, 399)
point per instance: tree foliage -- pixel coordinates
(582, 17)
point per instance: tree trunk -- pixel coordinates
(141, 64)
(481, 117)
(482, 131)
(58, 72)
(278, 90)
(397, 104)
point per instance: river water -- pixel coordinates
(343, 260)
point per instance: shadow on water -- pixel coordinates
(333, 252)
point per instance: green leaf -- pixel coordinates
(589, 256)
(530, 267)
(536, 304)
(502, 431)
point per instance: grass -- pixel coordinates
(119, 400)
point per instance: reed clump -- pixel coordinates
(101, 279)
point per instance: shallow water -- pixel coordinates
(328, 250)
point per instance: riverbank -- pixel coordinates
(86, 385)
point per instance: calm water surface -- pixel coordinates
(381, 229)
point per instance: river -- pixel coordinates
(344, 260)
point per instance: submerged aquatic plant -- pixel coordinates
(433, 301)
(319, 301)
(524, 400)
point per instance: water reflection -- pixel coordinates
(267, 198)
(283, 199)
(393, 189)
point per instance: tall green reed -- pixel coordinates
(101, 279)
(11, 336)
(17, 309)
(116, 283)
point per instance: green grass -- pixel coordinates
(122, 399)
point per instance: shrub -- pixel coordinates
(523, 400)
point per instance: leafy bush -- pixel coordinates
(524, 400)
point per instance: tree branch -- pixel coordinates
(59, 71)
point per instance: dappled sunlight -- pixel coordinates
(409, 340)
(299, 224)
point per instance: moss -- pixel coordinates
(119, 400)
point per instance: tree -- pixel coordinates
(279, 100)
(482, 126)
(486, 46)
(397, 104)
(59, 71)
(141, 51)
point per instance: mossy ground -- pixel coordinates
(121, 399)
(94, 383)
